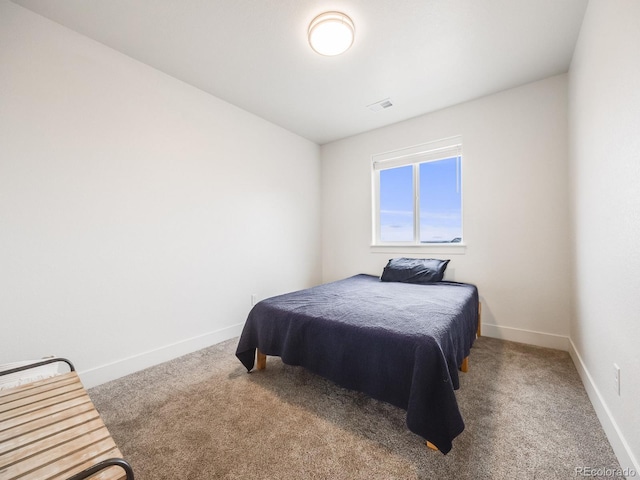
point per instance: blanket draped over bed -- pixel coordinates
(397, 342)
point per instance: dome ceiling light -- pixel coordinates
(331, 33)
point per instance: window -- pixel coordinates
(417, 194)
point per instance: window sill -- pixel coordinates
(440, 248)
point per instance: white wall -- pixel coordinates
(137, 214)
(604, 113)
(515, 206)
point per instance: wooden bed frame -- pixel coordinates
(261, 361)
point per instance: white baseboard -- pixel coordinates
(120, 368)
(540, 339)
(621, 448)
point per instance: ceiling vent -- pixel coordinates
(381, 105)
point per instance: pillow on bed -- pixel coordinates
(414, 270)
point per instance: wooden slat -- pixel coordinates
(113, 473)
(11, 408)
(60, 458)
(54, 439)
(51, 430)
(42, 400)
(35, 424)
(37, 387)
(43, 412)
(31, 437)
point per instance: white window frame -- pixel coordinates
(426, 152)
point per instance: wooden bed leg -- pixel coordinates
(479, 332)
(431, 446)
(261, 360)
(465, 365)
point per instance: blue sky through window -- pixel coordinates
(440, 202)
(396, 204)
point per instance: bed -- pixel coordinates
(401, 343)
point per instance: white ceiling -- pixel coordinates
(423, 54)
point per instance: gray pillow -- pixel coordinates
(414, 270)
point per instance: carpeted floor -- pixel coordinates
(202, 416)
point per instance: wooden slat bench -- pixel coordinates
(50, 429)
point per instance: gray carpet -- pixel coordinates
(202, 416)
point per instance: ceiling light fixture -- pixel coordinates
(331, 33)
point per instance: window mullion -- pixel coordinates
(416, 203)
(377, 216)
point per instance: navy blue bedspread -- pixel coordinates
(397, 342)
